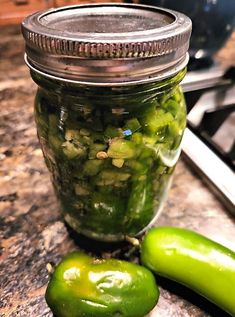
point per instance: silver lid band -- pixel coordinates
(86, 43)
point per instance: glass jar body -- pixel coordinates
(111, 151)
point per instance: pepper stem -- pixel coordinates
(50, 268)
(133, 241)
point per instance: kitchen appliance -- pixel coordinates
(209, 140)
(213, 22)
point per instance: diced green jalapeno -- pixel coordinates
(109, 152)
(112, 132)
(137, 138)
(109, 176)
(133, 125)
(172, 107)
(72, 151)
(55, 142)
(122, 149)
(72, 135)
(92, 167)
(118, 162)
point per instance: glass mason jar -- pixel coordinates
(110, 117)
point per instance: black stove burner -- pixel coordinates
(199, 63)
(213, 119)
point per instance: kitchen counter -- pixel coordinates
(32, 232)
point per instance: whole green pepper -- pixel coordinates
(82, 286)
(193, 260)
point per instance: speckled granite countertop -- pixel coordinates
(32, 232)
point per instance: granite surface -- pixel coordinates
(32, 232)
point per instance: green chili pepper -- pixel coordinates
(82, 286)
(193, 260)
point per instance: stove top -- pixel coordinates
(209, 140)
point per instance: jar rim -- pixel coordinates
(150, 79)
(113, 42)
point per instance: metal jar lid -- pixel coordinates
(106, 44)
